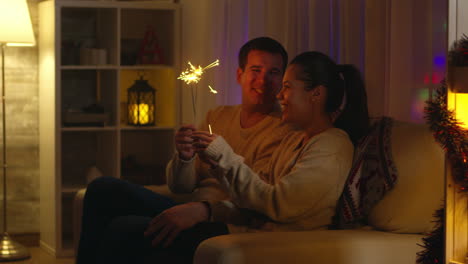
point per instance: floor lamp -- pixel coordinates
(15, 30)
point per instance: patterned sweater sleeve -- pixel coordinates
(314, 182)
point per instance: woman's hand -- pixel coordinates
(201, 141)
(168, 224)
(183, 142)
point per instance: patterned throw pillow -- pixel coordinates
(372, 175)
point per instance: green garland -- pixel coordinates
(448, 132)
(434, 245)
(458, 54)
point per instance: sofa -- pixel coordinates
(396, 224)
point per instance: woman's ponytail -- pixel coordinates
(355, 116)
(346, 94)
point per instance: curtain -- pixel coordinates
(218, 28)
(394, 43)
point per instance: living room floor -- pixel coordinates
(39, 256)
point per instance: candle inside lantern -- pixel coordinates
(140, 114)
(143, 110)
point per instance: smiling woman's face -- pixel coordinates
(295, 101)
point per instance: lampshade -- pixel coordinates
(15, 23)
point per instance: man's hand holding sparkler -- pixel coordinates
(184, 142)
(189, 141)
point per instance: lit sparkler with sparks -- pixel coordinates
(193, 75)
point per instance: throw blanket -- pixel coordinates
(372, 175)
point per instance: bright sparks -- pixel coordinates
(193, 74)
(212, 90)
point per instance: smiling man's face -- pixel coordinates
(261, 79)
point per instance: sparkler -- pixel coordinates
(193, 75)
(209, 127)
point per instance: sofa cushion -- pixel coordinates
(419, 190)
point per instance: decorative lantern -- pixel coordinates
(141, 103)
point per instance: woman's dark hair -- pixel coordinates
(319, 69)
(263, 44)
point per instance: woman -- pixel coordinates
(306, 175)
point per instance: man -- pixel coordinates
(253, 130)
(174, 231)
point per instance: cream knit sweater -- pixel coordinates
(299, 191)
(256, 144)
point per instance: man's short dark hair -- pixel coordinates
(263, 44)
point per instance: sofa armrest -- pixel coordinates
(323, 246)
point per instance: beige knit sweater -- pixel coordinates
(256, 144)
(299, 191)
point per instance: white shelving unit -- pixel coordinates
(70, 81)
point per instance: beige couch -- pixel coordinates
(397, 222)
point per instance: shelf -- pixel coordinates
(68, 221)
(145, 67)
(115, 67)
(89, 67)
(91, 53)
(146, 36)
(163, 80)
(89, 97)
(145, 154)
(88, 36)
(72, 189)
(84, 129)
(136, 128)
(82, 150)
(113, 128)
